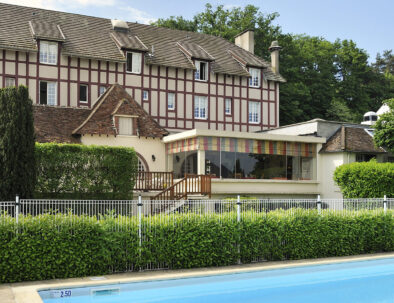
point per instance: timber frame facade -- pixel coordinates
(151, 87)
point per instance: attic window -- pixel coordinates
(254, 80)
(134, 62)
(48, 52)
(125, 126)
(201, 72)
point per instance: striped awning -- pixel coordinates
(243, 146)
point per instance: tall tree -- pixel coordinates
(17, 165)
(385, 63)
(384, 128)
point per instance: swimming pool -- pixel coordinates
(363, 281)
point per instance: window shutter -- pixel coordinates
(134, 130)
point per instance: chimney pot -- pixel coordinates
(274, 49)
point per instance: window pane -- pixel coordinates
(125, 126)
(43, 92)
(83, 93)
(136, 62)
(254, 80)
(228, 106)
(129, 63)
(51, 95)
(145, 95)
(254, 112)
(203, 67)
(102, 90)
(43, 52)
(9, 82)
(212, 163)
(171, 100)
(52, 53)
(184, 163)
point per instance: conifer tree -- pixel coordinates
(17, 163)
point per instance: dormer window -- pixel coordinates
(48, 52)
(125, 126)
(201, 72)
(134, 62)
(255, 79)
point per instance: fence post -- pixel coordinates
(318, 204)
(139, 204)
(239, 221)
(17, 208)
(385, 204)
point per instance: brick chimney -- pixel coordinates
(274, 49)
(245, 40)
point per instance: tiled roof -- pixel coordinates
(56, 124)
(126, 41)
(195, 51)
(100, 119)
(90, 37)
(46, 31)
(351, 139)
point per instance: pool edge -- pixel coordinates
(27, 292)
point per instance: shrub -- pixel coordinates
(17, 164)
(85, 172)
(365, 179)
(65, 245)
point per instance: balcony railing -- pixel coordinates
(156, 181)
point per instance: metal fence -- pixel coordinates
(146, 215)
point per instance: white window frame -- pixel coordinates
(136, 62)
(48, 52)
(254, 111)
(10, 81)
(197, 73)
(122, 131)
(87, 93)
(145, 95)
(255, 79)
(201, 107)
(228, 106)
(171, 101)
(51, 92)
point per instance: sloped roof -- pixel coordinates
(56, 124)
(351, 139)
(117, 101)
(195, 51)
(46, 31)
(90, 37)
(127, 41)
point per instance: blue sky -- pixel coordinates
(369, 23)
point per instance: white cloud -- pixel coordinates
(139, 16)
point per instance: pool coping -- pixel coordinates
(27, 292)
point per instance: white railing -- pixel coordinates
(147, 215)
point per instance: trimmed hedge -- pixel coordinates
(65, 245)
(365, 179)
(85, 172)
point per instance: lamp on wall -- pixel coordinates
(153, 158)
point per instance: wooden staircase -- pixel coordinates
(189, 185)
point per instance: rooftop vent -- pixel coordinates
(119, 25)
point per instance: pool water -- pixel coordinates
(365, 281)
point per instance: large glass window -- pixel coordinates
(184, 163)
(200, 107)
(48, 52)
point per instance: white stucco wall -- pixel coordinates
(144, 146)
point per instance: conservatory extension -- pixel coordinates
(247, 156)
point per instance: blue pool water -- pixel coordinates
(366, 281)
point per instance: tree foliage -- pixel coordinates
(329, 80)
(85, 172)
(365, 179)
(384, 128)
(17, 162)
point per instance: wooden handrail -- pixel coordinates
(147, 181)
(190, 184)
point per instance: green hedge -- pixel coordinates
(84, 172)
(365, 179)
(63, 246)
